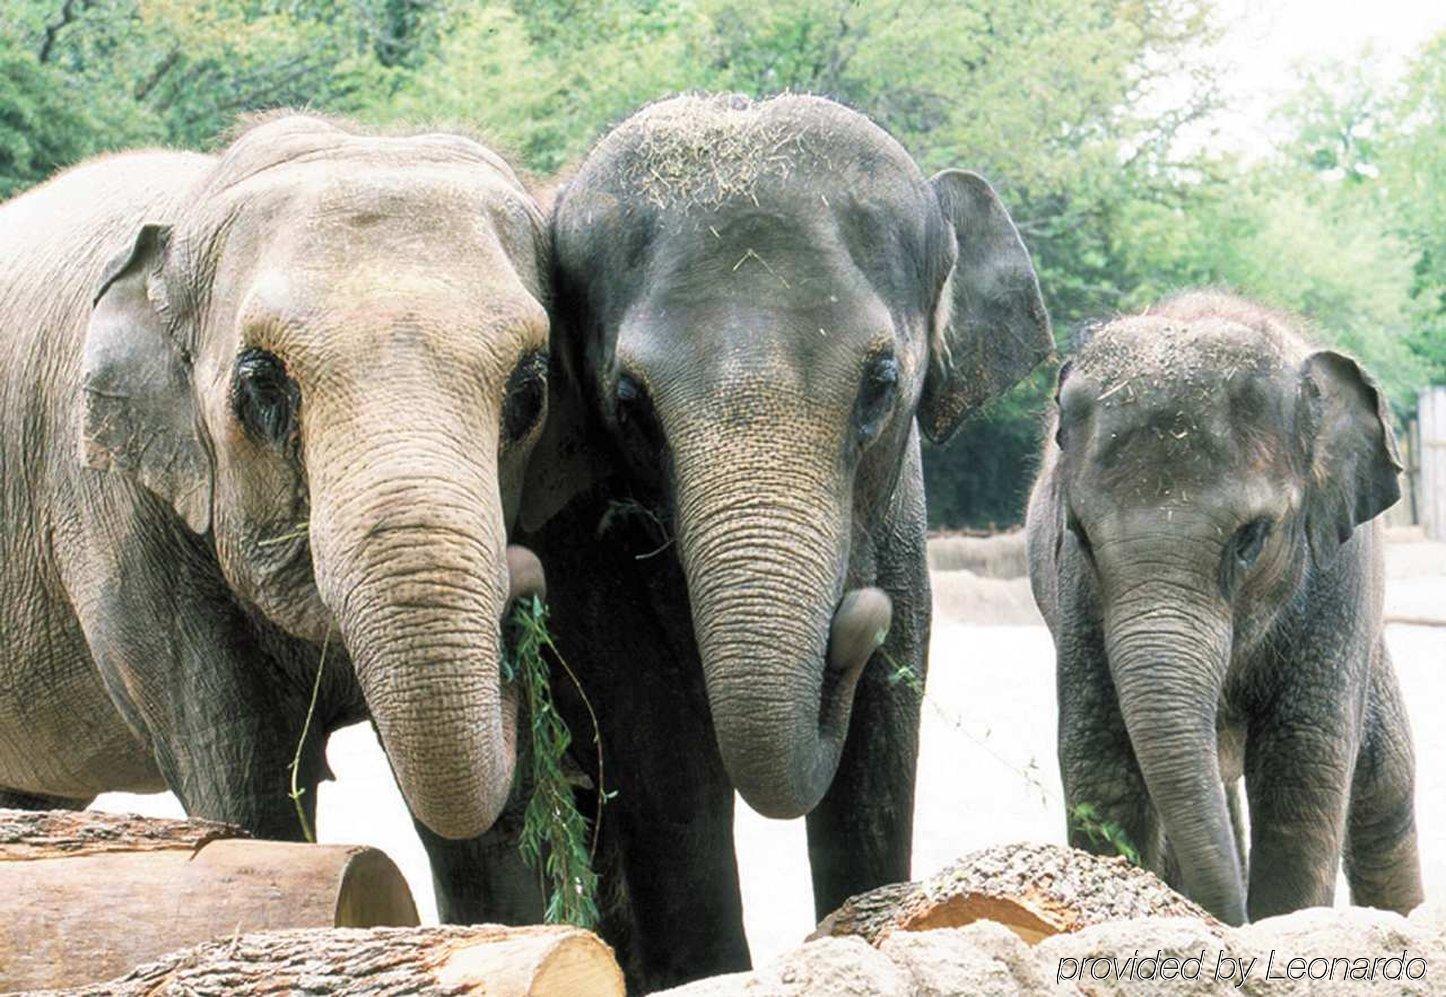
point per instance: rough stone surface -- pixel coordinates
(1328, 938)
(842, 966)
(950, 961)
(1129, 957)
(839, 967)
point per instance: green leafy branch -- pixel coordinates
(1085, 817)
(554, 840)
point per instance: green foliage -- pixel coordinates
(1073, 108)
(1413, 175)
(1085, 817)
(42, 128)
(554, 838)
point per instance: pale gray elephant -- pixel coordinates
(297, 416)
(1202, 545)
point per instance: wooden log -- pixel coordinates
(1034, 890)
(86, 896)
(483, 959)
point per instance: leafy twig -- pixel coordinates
(1085, 817)
(297, 791)
(554, 834)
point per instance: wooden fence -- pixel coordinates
(1428, 460)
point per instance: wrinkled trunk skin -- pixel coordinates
(411, 559)
(765, 551)
(1169, 649)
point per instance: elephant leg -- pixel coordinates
(1107, 804)
(1298, 761)
(230, 759)
(483, 880)
(221, 703)
(11, 799)
(1382, 863)
(669, 895)
(861, 834)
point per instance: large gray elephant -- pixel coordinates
(1201, 544)
(296, 417)
(759, 306)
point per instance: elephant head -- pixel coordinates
(759, 301)
(331, 360)
(1212, 465)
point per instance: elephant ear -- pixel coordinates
(139, 416)
(1353, 461)
(992, 328)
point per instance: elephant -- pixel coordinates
(1203, 545)
(264, 419)
(758, 305)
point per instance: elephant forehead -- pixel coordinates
(1148, 353)
(707, 150)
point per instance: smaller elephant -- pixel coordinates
(1202, 547)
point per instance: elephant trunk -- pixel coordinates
(782, 645)
(1169, 650)
(411, 560)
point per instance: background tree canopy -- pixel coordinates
(1080, 111)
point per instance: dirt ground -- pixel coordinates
(987, 769)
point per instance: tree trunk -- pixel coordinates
(485, 959)
(86, 896)
(1034, 890)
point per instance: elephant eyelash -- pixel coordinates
(265, 399)
(1242, 552)
(526, 397)
(876, 396)
(1249, 540)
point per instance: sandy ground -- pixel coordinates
(987, 770)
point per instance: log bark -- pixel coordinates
(1034, 890)
(45, 834)
(86, 896)
(483, 959)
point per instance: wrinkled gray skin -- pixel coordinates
(1201, 545)
(184, 521)
(760, 305)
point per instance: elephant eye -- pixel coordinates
(632, 400)
(637, 429)
(876, 396)
(526, 397)
(1249, 540)
(264, 398)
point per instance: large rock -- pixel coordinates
(1369, 951)
(984, 958)
(847, 967)
(1184, 956)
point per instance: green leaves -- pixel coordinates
(554, 839)
(1085, 817)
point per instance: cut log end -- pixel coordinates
(1034, 890)
(86, 896)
